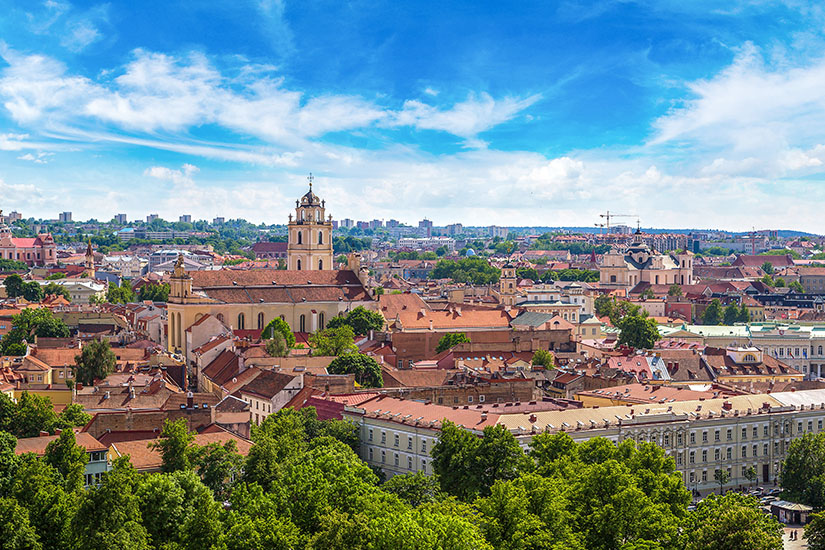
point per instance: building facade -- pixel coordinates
(638, 263)
(39, 250)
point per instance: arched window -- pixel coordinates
(260, 321)
(220, 317)
(241, 321)
(283, 318)
(320, 237)
(820, 350)
(321, 320)
(749, 358)
(320, 264)
(299, 237)
(299, 265)
(302, 323)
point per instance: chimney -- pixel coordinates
(190, 400)
(43, 433)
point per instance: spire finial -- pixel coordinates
(310, 179)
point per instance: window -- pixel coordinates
(692, 438)
(383, 437)
(302, 323)
(704, 455)
(755, 451)
(481, 399)
(730, 453)
(704, 475)
(717, 435)
(396, 459)
(799, 426)
(240, 321)
(692, 457)
(370, 436)
(320, 264)
(744, 470)
(320, 237)
(299, 264)
(409, 442)
(744, 451)
(744, 433)
(260, 321)
(469, 399)
(810, 425)
(409, 463)
(666, 439)
(370, 454)
(819, 425)
(321, 320)
(692, 477)
(765, 449)
(397, 440)
(424, 466)
(716, 454)
(679, 459)
(423, 445)
(704, 437)
(679, 438)
(299, 242)
(383, 457)
(755, 432)
(730, 434)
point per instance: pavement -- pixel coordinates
(794, 544)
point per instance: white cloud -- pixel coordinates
(40, 158)
(467, 119)
(177, 177)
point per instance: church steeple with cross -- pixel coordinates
(310, 234)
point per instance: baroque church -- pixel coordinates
(306, 295)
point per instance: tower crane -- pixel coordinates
(607, 215)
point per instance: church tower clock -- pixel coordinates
(310, 235)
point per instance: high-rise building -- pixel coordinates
(64, 217)
(496, 231)
(218, 221)
(427, 226)
(15, 216)
(120, 218)
(347, 223)
(185, 218)
(375, 224)
(392, 224)
(151, 217)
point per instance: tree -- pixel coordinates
(276, 346)
(528, 273)
(731, 314)
(279, 325)
(450, 340)
(14, 285)
(767, 267)
(16, 531)
(34, 414)
(360, 319)
(779, 282)
(32, 322)
(95, 362)
(122, 294)
(414, 489)
(750, 474)
(333, 341)
(721, 476)
(815, 531)
(54, 289)
(67, 457)
(543, 358)
(474, 270)
(175, 445)
(72, 416)
(218, 466)
(155, 292)
(744, 314)
(713, 313)
(441, 251)
(731, 522)
(647, 294)
(32, 292)
(367, 371)
(603, 305)
(674, 290)
(802, 475)
(638, 332)
(796, 286)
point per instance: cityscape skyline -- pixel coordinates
(685, 113)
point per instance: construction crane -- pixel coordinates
(607, 215)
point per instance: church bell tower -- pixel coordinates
(310, 235)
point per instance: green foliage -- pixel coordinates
(32, 292)
(721, 476)
(731, 314)
(450, 340)
(767, 267)
(674, 290)
(796, 286)
(414, 489)
(29, 323)
(34, 413)
(175, 445)
(122, 294)
(713, 313)
(638, 331)
(155, 292)
(276, 346)
(802, 475)
(333, 341)
(544, 358)
(56, 276)
(367, 371)
(583, 275)
(528, 273)
(95, 362)
(68, 458)
(815, 531)
(12, 265)
(342, 245)
(279, 325)
(360, 319)
(54, 289)
(546, 242)
(782, 252)
(16, 531)
(731, 522)
(14, 285)
(603, 305)
(779, 282)
(474, 270)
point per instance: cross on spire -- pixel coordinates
(310, 179)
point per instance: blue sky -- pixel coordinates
(528, 113)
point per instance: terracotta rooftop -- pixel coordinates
(37, 445)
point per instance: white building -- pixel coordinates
(427, 243)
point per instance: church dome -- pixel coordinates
(470, 252)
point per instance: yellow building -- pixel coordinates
(507, 289)
(309, 235)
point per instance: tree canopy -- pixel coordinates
(95, 362)
(29, 323)
(474, 270)
(360, 319)
(367, 371)
(450, 340)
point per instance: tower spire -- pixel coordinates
(310, 179)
